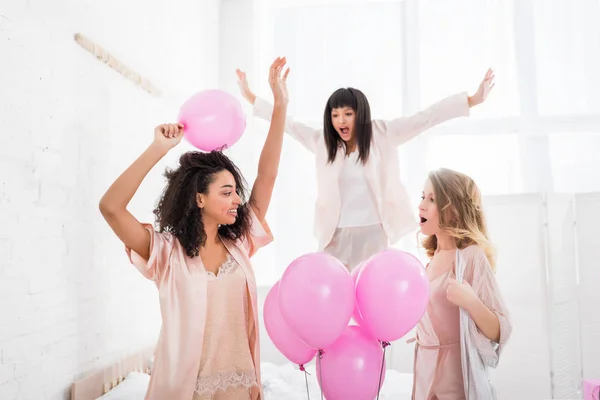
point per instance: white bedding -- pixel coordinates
(284, 382)
(287, 382)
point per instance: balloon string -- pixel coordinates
(305, 379)
(384, 345)
(320, 372)
(303, 369)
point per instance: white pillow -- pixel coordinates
(133, 387)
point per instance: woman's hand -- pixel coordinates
(277, 82)
(485, 87)
(461, 294)
(167, 136)
(244, 88)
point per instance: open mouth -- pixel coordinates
(233, 212)
(423, 220)
(345, 131)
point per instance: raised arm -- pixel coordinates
(306, 135)
(401, 130)
(113, 204)
(268, 164)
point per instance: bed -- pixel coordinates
(123, 380)
(128, 380)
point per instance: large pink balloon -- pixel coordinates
(316, 296)
(212, 119)
(351, 367)
(280, 333)
(392, 293)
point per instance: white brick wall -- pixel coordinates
(69, 300)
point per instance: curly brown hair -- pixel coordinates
(178, 212)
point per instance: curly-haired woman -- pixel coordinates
(200, 260)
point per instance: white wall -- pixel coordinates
(69, 300)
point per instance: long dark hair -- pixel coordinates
(178, 212)
(363, 131)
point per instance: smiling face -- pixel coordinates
(342, 119)
(429, 213)
(220, 205)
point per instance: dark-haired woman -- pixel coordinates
(362, 207)
(200, 260)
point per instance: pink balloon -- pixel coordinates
(392, 293)
(351, 367)
(280, 333)
(212, 119)
(316, 296)
(356, 313)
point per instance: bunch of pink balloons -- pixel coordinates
(308, 313)
(212, 119)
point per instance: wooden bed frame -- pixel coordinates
(100, 382)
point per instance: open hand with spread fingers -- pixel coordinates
(485, 87)
(278, 82)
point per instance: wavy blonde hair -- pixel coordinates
(460, 210)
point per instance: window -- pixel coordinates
(491, 160)
(326, 52)
(407, 54)
(329, 51)
(574, 160)
(457, 47)
(567, 36)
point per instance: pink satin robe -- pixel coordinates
(437, 365)
(182, 288)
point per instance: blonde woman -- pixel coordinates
(452, 217)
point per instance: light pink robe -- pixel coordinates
(182, 288)
(437, 366)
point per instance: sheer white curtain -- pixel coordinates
(457, 42)
(328, 45)
(567, 38)
(539, 130)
